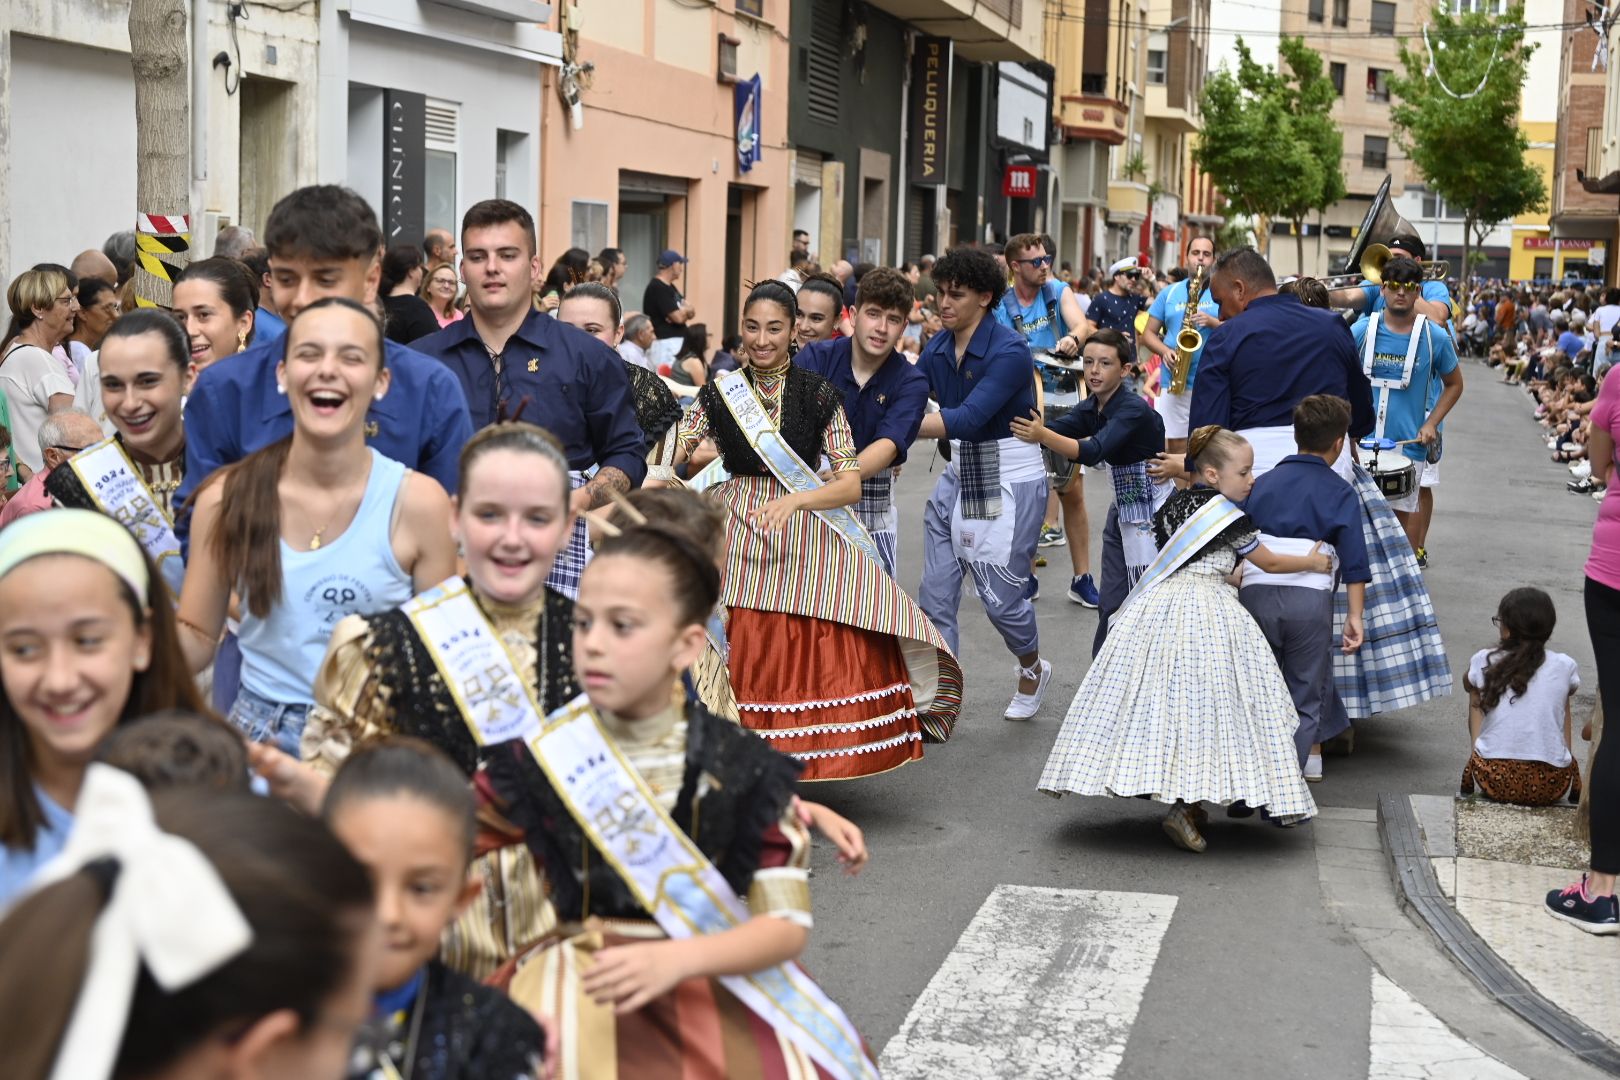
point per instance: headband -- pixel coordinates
(75, 532)
(168, 910)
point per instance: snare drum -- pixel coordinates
(1395, 475)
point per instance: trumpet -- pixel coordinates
(1189, 340)
(1373, 261)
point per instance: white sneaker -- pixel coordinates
(1581, 470)
(1313, 768)
(1023, 706)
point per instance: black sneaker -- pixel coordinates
(1594, 914)
(1422, 558)
(1582, 486)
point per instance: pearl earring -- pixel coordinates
(281, 388)
(377, 396)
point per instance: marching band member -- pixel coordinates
(1038, 306)
(1166, 317)
(884, 396)
(1433, 302)
(986, 510)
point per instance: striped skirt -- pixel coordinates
(830, 659)
(698, 1029)
(1402, 661)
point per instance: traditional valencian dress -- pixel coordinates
(105, 477)
(831, 661)
(1185, 701)
(694, 820)
(443, 1026)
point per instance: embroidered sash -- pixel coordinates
(1205, 525)
(784, 463)
(671, 878)
(114, 484)
(479, 672)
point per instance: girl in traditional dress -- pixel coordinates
(669, 817)
(133, 475)
(193, 933)
(89, 643)
(830, 659)
(382, 676)
(312, 528)
(1185, 704)
(403, 809)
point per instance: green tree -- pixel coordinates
(1458, 119)
(1268, 142)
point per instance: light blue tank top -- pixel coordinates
(355, 574)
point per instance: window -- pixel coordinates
(1383, 18)
(1341, 12)
(1374, 152)
(1594, 147)
(1317, 10)
(1156, 67)
(442, 124)
(1093, 84)
(1377, 84)
(588, 225)
(1336, 73)
(819, 65)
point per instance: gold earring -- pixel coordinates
(241, 340)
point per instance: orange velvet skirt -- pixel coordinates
(836, 697)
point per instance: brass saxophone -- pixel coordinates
(1189, 341)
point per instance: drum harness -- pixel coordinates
(1387, 385)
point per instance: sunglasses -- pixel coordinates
(1039, 260)
(1404, 287)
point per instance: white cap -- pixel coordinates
(1122, 266)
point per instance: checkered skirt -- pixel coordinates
(1184, 702)
(1402, 661)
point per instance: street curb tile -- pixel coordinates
(1419, 891)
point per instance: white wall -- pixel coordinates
(1539, 99)
(495, 92)
(72, 159)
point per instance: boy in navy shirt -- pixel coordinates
(1298, 504)
(1116, 428)
(884, 396)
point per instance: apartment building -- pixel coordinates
(1584, 221)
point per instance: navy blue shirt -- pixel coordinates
(1304, 499)
(234, 409)
(1125, 431)
(575, 385)
(890, 405)
(1256, 367)
(995, 382)
(1116, 312)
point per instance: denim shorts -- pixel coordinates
(275, 722)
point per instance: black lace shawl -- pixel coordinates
(65, 488)
(748, 790)
(469, 1032)
(420, 703)
(809, 403)
(1183, 505)
(655, 405)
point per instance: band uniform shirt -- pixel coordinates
(1258, 366)
(891, 404)
(1041, 322)
(1408, 406)
(994, 384)
(1170, 308)
(1123, 432)
(234, 409)
(575, 386)
(1302, 498)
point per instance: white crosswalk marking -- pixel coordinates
(1408, 1042)
(1043, 982)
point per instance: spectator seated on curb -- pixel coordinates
(1519, 724)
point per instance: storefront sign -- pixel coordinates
(1018, 182)
(930, 110)
(748, 112)
(404, 166)
(1546, 243)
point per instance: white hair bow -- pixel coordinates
(168, 909)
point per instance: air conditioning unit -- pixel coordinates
(202, 240)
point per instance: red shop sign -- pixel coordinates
(1018, 182)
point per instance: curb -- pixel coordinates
(1418, 890)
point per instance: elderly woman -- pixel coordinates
(34, 383)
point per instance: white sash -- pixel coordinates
(1304, 579)
(1369, 345)
(1207, 523)
(114, 484)
(491, 693)
(671, 878)
(783, 461)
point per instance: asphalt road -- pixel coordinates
(1254, 976)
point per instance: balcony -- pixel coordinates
(981, 29)
(1127, 202)
(1169, 117)
(1087, 116)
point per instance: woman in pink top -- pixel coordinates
(1590, 903)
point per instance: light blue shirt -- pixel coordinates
(1041, 322)
(1409, 406)
(1170, 308)
(18, 867)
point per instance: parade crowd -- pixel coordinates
(415, 661)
